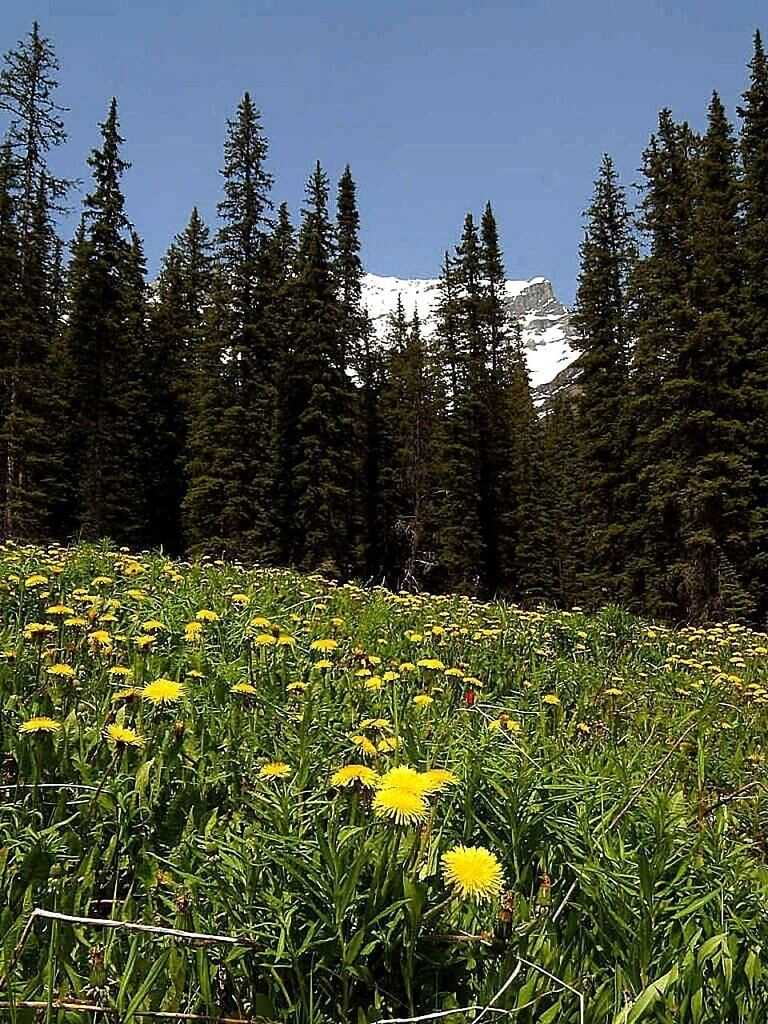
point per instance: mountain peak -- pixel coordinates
(546, 324)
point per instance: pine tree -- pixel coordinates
(318, 434)
(411, 414)
(467, 519)
(28, 86)
(10, 272)
(359, 354)
(662, 316)
(753, 145)
(104, 342)
(178, 319)
(711, 415)
(608, 253)
(248, 498)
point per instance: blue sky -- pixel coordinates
(438, 106)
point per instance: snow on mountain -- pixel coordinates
(546, 323)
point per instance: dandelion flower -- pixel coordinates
(437, 779)
(240, 599)
(64, 671)
(423, 700)
(243, 688)
(35, 580)
(41, 724)
(265, 640)
(551, 698)
(472, 871)
(327, 644)
(59, 609)
(153, 625)
(193, 632)
(163, 691)
(364, 744)
(352, 773)
(206, 615)
(37, 630)
(403, 806)
(386, 745)
(274, 770)
(404, 777)
(432, 663)
(123, 736)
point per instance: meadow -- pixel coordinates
(292, 800)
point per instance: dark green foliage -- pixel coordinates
(608, 253)
(412, 415)
(105, 340)
(317, 431)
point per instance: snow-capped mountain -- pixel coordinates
(546, 323)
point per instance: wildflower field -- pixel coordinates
(252, 795)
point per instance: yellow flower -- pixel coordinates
(35, 580)
(324, 645)
(193, 631)
(551, 698)
(323, 663)
(432, 663)
(123, 736)
(145, 640)
(241, 599)
(388, 744)
(404, 777)
(274, 770)
(285, 640)
(61, 670)
(129, 693)
(436, 779)
(102, 581)
(41, 724)
(260, 621)
(100, 638)
(38, 630)
(403, 806)
(265, 640)
(243, 688)
(352, 773)
(423, 700)
(121, 671)
(374, 683)
(206, 615)
(60, 609)
(364, 744)
(153, 625)
(76, 620)
(472, 871)
(163, 691)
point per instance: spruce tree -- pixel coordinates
(411, 414)
(753, 146)
(317, 436)
(10, 273)
(662, 316)
(248, 520)
(608, 253)
(28, 84)
(175, 336)
(360, 356)
(104, 342)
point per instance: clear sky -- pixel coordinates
(437, 105)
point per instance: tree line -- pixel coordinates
(241, 405)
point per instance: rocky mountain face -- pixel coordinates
(548, 333)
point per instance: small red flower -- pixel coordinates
(469, 698)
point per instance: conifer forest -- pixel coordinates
(239, 406)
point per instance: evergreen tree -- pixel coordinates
(178, 319)
(359, 354)
(249, 493)
(608, 253)
(663, 316)
(10, 273)
(104, 341)
(28, 86)
(317, 436)
(467, 520)
(753, 145)
(411, 413)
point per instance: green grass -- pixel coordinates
(629, 815)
